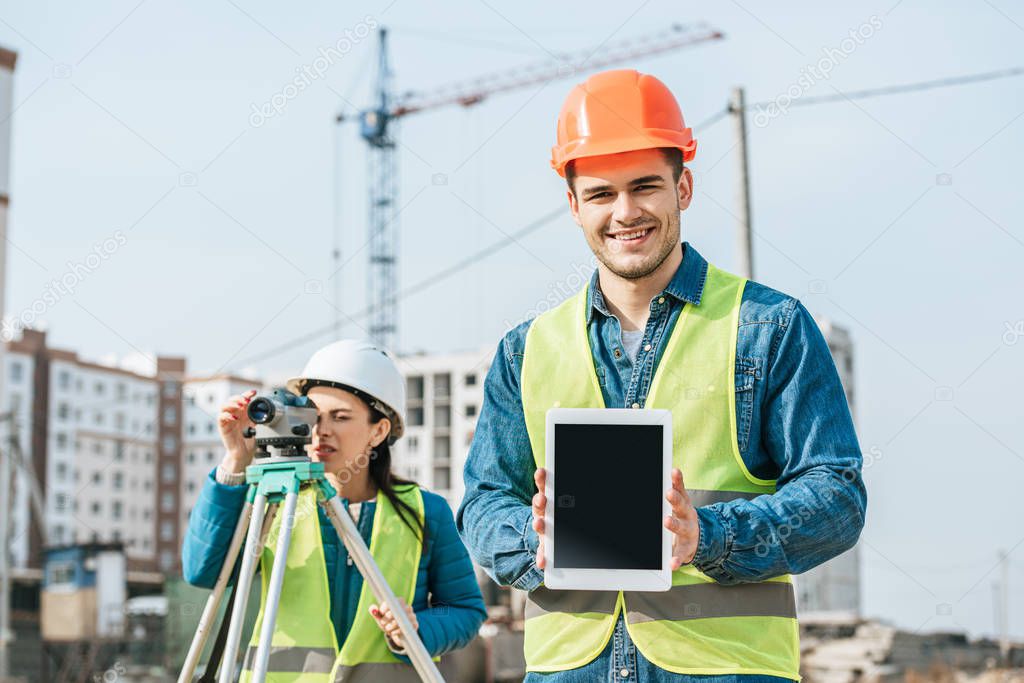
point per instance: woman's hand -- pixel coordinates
(387, 622)
(233, 421)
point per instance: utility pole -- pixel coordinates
(744, 246)
(8, 59)
(1004, 606)
(6, 476)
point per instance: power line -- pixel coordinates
(416, 288)
(871, 92)
(898, 89)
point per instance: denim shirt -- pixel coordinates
(793, 424)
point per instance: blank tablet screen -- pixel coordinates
(608, 497)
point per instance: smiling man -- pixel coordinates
(766, 480)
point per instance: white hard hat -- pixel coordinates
(363, 369)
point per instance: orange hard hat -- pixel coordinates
(619, 111)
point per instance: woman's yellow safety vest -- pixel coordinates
(304, 648)
(698, 627)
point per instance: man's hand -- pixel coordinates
(540, 501)
(682, 522)
(387, 622)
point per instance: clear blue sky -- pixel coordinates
(117, 99)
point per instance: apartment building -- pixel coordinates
(119, 455)
(202, 448)
(444, 393)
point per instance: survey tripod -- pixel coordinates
(273, 480)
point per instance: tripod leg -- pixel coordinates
(250, 557)
(213, 602)
(259, 670)
(360, 554)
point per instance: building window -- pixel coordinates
(171, 390)
(168, 473)
(61, 471)
(97, 447)
(471, 410)
(60, 502)
(117, 509)
(209, 456)
(167, 501)
(119, 420)
(170, 444)
(64, 379)
(98, 388)
(414, 417)
(170, 416)
(98, 418)
(166, 531)
(442, 385)
(61, 573)
(209, 428)
(442, 448)
(471, 379)
(122, 392)
(62, 441)
(190, 487)
(413, 442)
(166, 560)
(191, 427)
(442, 478)
(97, 477)
(414, 388)
(63, 411)
(191, 457)
(17, 371)
(117, 480)
(119, 451)
(96, 507)
(442, 416)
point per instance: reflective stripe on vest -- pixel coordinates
(377, 672)
(304, 647)
(295, 659)
(698, 627)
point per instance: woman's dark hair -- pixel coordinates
(387, 481)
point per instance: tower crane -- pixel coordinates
(378, 128)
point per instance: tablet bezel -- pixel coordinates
(606, 579)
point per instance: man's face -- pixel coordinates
(628, 206)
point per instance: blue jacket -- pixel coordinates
(448, 621)
(793, 424)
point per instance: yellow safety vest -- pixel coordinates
(698, 627)
(304, 648)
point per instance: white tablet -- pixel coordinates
(608, 470)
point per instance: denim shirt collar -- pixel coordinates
(687, 284)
